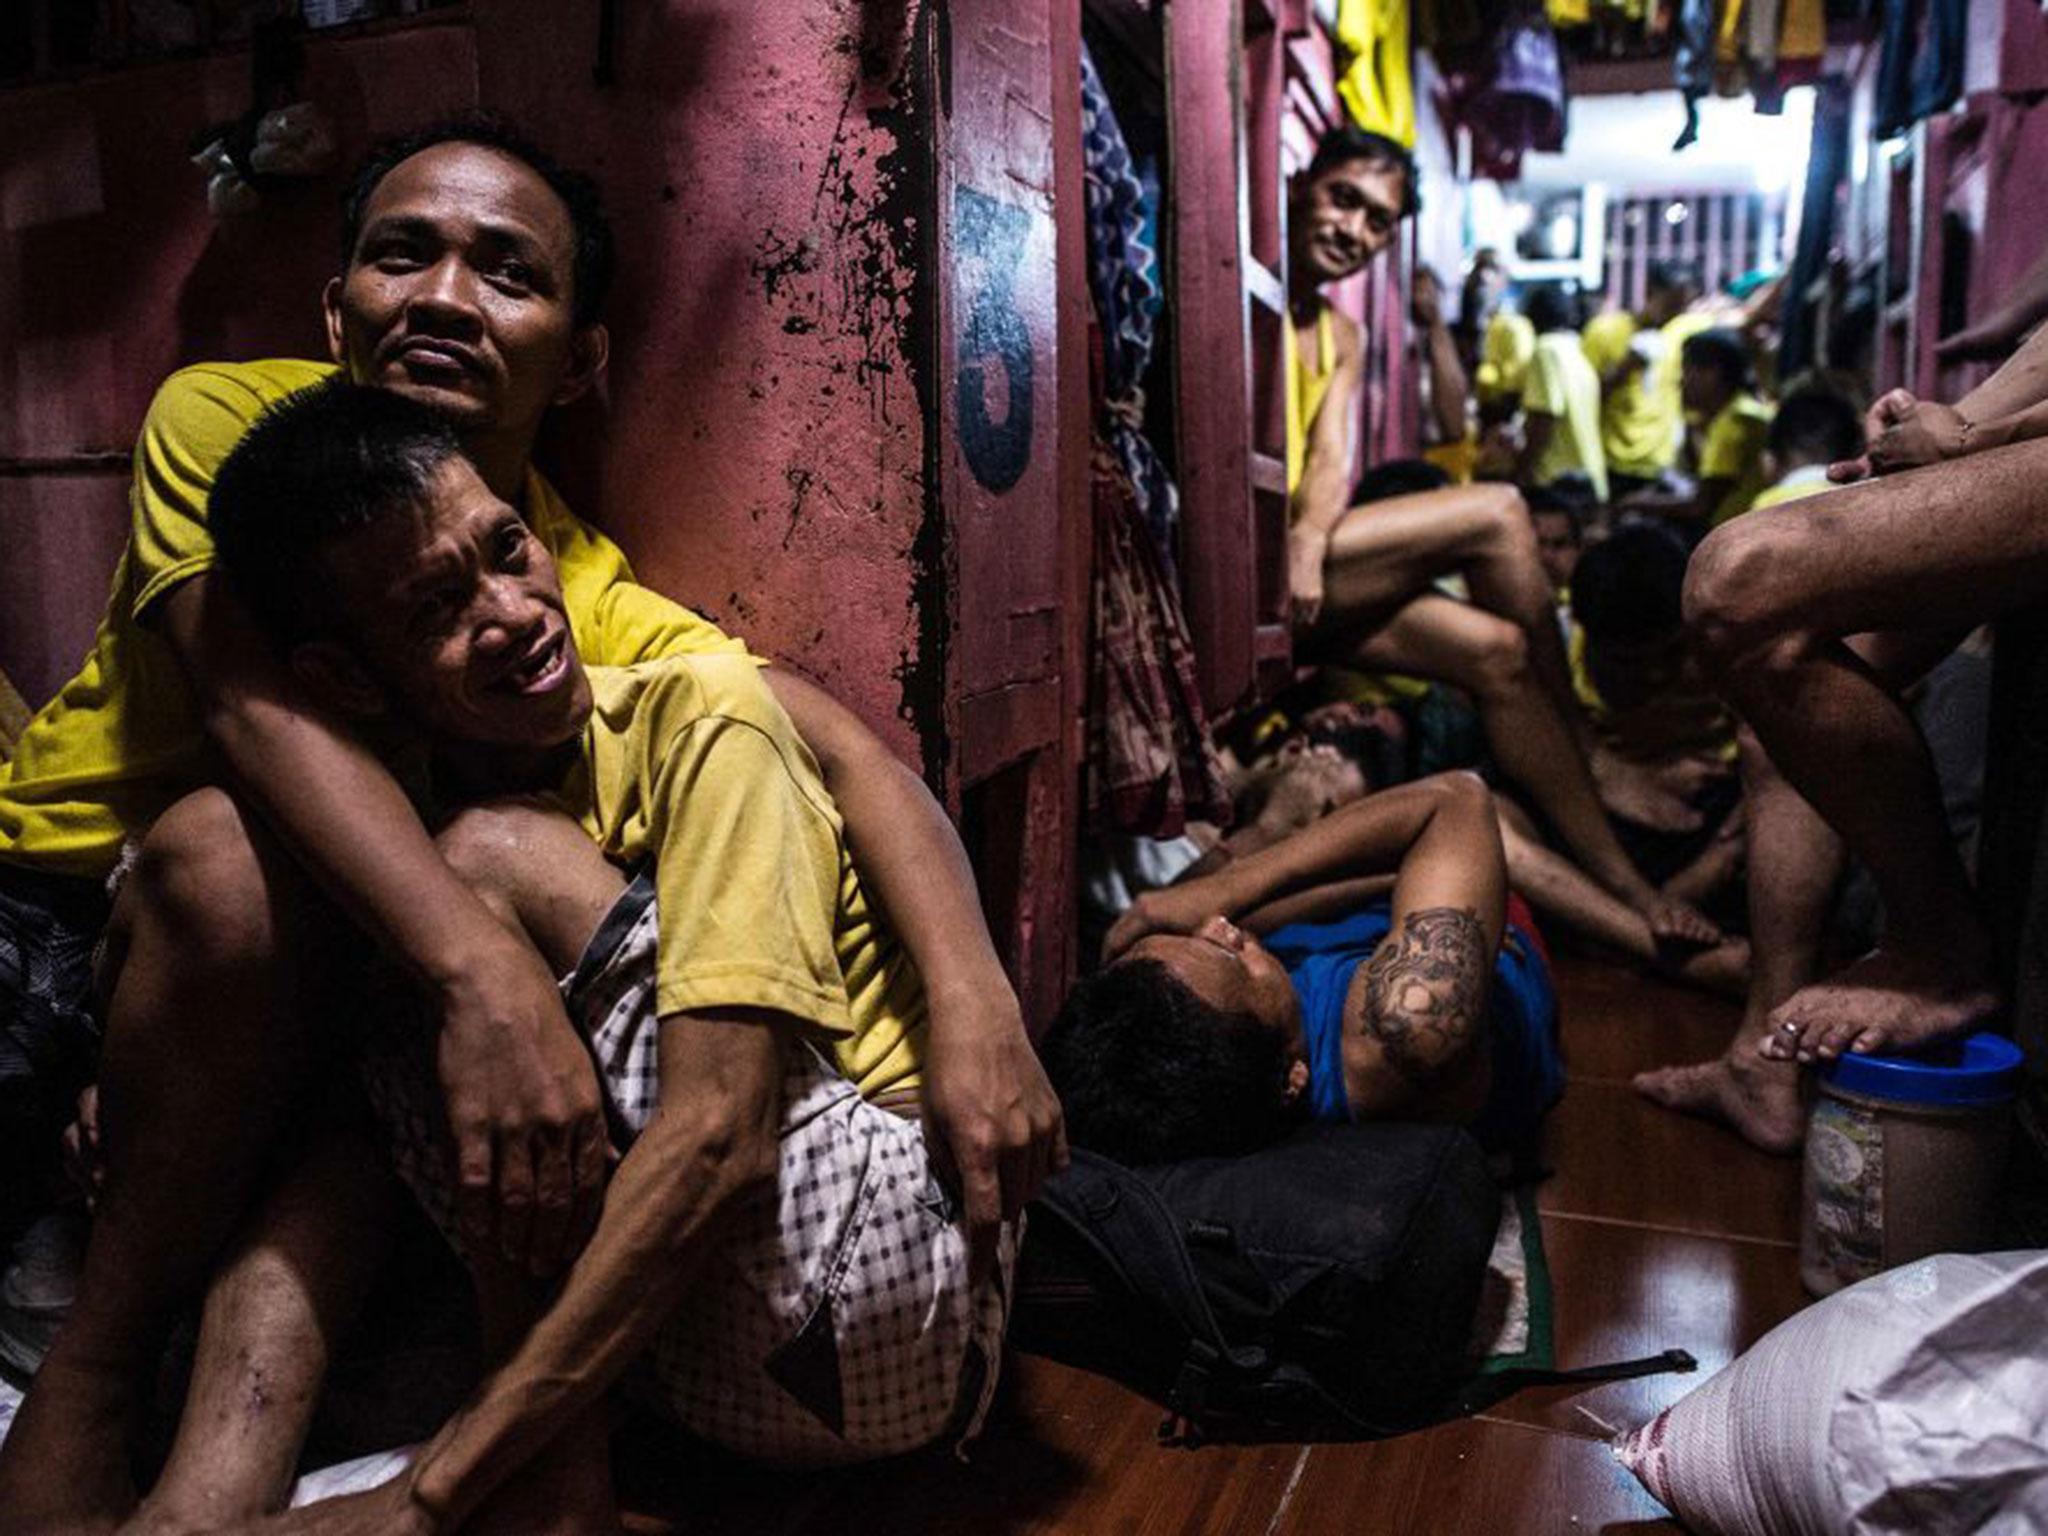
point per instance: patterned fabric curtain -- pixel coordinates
(1151, 766)
(1123, 280)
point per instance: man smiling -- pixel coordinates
(475, 270)
(1362, 577)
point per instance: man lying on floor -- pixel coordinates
(776, 1247)
(1197, 1039)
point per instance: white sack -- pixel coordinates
(1913, 1404)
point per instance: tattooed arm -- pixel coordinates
(1414, 1037)
(1416, 1016)
(1435, 834)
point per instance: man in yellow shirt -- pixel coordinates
(475, 274)
(1362, 577)
(1636, 357)
(1728, 471)
(1815, 426)
(757, 1189)
(1560, 400)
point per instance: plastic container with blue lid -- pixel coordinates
(1904, 1156)
(1979, 1069)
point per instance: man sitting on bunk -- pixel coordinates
(1363, 578)
(1292, 984)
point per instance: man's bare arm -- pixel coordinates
(1325, 490)
(712, 1140)
(992, 1111)
(1995, 335)
(523, 1097)
(1421, 832)
(1448, 388)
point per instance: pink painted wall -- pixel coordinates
(112, 274)
(782, 440)
(760, 427)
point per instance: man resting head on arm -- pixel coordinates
(1198, 1039)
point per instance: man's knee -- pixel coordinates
(205, 876)
(1505, 516)
(1739, 603)
(501, 845)
(1497, 661)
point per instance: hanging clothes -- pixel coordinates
(1151, 765)
(1123, 282)
(1376, 80)
(1802, 39)
(1921, 69)
(1517, 102)
(1692, 62)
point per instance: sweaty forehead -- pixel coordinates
(474, 184)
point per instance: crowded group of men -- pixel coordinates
(393, 845)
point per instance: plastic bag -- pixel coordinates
(1915, 1402)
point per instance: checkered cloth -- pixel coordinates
(834, 1322)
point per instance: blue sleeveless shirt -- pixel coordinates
(1528, 1073)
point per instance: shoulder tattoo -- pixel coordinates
(1426, 989)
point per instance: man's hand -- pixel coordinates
(1905, 432)
(1928, 433)
(993, 1125)
(1170, 909)
(1307, 549)
(1426, 299)
(523, 1103)
(386, 1510)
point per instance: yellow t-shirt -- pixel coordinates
(1733, 450)
(690, 762)
(1308, 383)
(1797, 486)
(1641, 423)
(1561, 383)
(1504, 353)
(122, 740)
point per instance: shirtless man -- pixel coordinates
(1814, 617)
(473, 280)
(1362, 577)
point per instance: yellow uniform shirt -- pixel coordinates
(1733, 450)
(1810, 480)
(1308, 382)
(1561, 383)
(1641, 422)
(123, 738)
(1504, 353)
(690, 762)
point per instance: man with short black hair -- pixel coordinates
(1642, 425)
(758, 1189)
(1363, 967)
(471, 284)
(1814, 427)
(1363, 578)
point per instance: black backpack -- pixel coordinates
(1323, 1288)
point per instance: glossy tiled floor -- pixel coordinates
(1661, 1232)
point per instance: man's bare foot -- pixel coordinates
(1758, 1101)
(1890, 1000)
(1670, 918)
(1723, 969)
